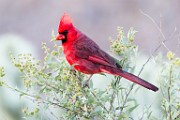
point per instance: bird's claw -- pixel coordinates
(86, 84)
(72, 70)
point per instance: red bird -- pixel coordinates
(87, 57)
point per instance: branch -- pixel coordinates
(169, 93)
(158, 28)
(100, 102)
(37, 97)
(157, 48)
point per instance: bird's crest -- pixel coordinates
(66, 19)
(65, 22)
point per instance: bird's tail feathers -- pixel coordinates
(132, 78)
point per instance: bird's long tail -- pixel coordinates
(131, 77)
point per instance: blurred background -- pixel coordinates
(34, 20)
(25, 24)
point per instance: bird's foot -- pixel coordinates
(72, 70)
(86, 84)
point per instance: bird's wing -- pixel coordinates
(87, 49)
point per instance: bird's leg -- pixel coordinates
(75, 72)
(72, 70)
(86, 84)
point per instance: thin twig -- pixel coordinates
(158, 28)
(114, 92)
(112, 101)
(118, 98)
(51, 112)
(143, 66)
(100, 102)
(126, 97)
(21, 92)
(160, 45)
(169, 93)
(153, 21)
(37, 97)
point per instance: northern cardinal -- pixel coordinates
(87, 57)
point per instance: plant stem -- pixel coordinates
(126, 97)
(103, 106)
(169, 93)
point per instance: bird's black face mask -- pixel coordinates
(62, 36)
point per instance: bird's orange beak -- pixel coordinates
(60, 37)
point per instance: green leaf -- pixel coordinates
(130, 110)
(149, 115)
(98, 109)
(22, 94)
(122, 116)
(1, 83)
(118, 108)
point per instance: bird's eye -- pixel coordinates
(64, 32)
